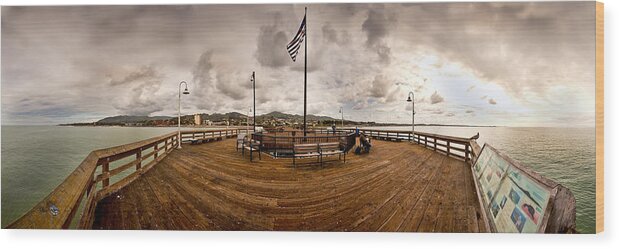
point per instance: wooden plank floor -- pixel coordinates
(396, 187)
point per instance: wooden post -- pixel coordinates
(448, 148)
(466, 153)
(434, 144)
(156, 150)
(138, 158)
(425, 139)
(89, 188)
(166, 145)
(106, 172)
(275, 141)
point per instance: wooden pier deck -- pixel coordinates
(396, 187)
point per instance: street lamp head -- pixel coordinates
(186, 91)
(409, 99)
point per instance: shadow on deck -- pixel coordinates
(397, 187)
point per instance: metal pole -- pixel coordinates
(413, 116)
(342, 111)
(411, 98)
(247, 124)
(253, 76)
(305, 81)
(179, 112)
(179, 116)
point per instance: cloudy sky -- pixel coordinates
(515, 64)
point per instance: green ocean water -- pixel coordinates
(35, 159)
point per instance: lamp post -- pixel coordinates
(412, 100)
(247, 124)
(179, 110)
(342, 112)
(253, 81)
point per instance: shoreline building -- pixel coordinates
(197, 119)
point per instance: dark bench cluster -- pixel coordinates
(319, 151)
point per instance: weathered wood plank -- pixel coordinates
(373, 192)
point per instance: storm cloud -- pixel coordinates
(376, 27)
(82, 63)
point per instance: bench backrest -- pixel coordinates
(329, 146)
(251, 142)
(305, 148)
(240, 136)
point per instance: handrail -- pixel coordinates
(458, 147)
(58, 209)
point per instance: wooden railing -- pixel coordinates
(561, 210)
(465, 149)
(102, 173)
(206, 135)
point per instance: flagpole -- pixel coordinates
(305, 81)
(253, 76)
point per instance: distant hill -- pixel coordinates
(215, 117)
(234, 118)
(281, 115)
(130, 119)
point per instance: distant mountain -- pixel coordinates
(281, 115)
(130, 119)
(234, 118)
(215, 117)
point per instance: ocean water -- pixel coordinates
(35, 159)
(565, 155)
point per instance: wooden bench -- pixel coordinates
(304, 150)
(330, 149)
(252, 145)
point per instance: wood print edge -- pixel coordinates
(599, 116)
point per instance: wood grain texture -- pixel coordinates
(396, 187)
(599, 117)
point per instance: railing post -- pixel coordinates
(275, 141)
(106, 172)
(89, 188)
(138, 158)
(448, 148)
(434, 143)
(466, 152)
(425, 140)
(166, 145)
(156, 148)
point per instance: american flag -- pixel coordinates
(295, 44)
